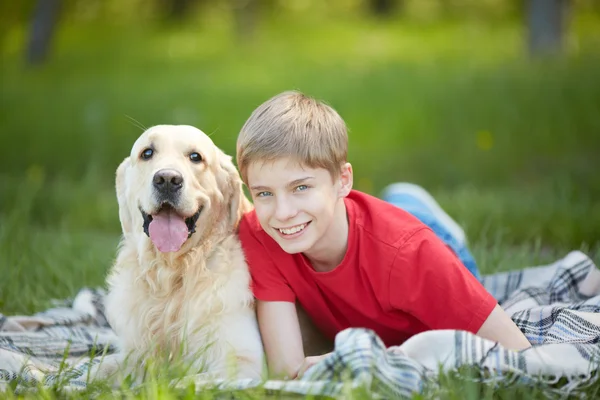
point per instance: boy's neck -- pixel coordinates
(334, 245)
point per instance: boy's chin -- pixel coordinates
(292, 248)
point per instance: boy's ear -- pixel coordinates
(346, 180)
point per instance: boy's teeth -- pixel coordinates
(289, 231)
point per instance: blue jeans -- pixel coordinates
(417, 201)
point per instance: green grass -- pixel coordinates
(44, 263)
(508, 145)
(451, 106)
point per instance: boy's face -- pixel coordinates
(296, 205)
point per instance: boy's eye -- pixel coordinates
(301, 188)
(263, 194)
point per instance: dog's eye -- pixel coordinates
(195, 157)
(147, 154)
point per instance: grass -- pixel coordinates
(508, 145)
(411, 95)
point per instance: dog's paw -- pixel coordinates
(105, 368)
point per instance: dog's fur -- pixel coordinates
(193, 304)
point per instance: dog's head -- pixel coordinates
(175, 186)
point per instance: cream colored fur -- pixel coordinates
(194, 305)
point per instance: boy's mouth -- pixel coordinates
(293, 229)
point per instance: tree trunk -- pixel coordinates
(546, 21)
(43, 26)
(176, 10)
(246, 15)
(385, 8)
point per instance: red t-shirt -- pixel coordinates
(397, 277)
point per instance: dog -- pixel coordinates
(179, 289)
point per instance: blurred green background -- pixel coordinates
(464, 97)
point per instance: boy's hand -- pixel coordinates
(309, 362)
(396, 350)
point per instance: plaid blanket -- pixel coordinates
(557, 306)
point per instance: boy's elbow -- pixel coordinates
(500, 328)
(523, 344)
(284, 371)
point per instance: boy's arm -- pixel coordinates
(498, 327)
(282, 325)
(280, 331)
(276, 313)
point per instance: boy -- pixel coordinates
(349, 259)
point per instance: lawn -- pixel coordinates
(508, 145)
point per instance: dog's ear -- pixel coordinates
(124, 212)
(238, 203)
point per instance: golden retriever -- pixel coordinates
(180, 286)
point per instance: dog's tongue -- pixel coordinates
(168, 231)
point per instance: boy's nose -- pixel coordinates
(285, 210)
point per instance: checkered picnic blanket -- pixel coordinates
(557, 306)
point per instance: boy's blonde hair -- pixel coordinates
(293, 125)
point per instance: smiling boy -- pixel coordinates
(349, 259)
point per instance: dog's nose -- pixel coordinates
(167, 181)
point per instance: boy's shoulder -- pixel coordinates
(252, 234)
(382, 221)
(249, 223)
